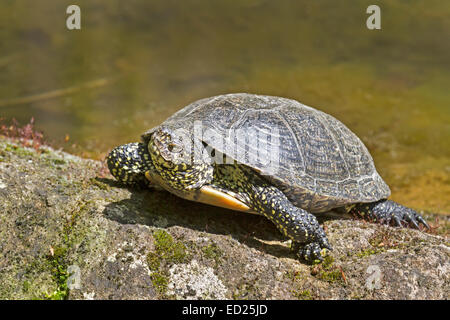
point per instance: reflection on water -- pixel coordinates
(135, 62)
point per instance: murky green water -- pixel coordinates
(136, 62)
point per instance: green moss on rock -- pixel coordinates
(167, 252)
(212, 251)
(327, 271)
(58, 269)
(303, 295)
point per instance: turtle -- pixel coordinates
(264, 155)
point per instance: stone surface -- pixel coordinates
(70, 232)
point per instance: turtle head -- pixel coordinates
(129, 162)
(178, 160)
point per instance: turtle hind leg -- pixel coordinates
(389, 212)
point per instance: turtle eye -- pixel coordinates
(174, 148)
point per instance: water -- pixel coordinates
(136, 62)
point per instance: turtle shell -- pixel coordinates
(311, 156)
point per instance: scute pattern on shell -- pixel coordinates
(322, 164)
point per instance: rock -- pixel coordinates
(193, 281)
(68, 232)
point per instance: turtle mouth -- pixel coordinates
(148, 176)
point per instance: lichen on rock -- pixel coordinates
(193, 281)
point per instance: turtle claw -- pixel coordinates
(422, 221)
(415, 219)
(410, 217)
(397, 221)
(392, 213)
(325, 245)
(414, 223)
(313, 251)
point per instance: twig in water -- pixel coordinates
(57, 93)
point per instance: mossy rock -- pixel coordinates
(60, 213)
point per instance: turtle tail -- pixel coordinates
(129, 162)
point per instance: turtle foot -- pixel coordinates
(391, 213)
(313, 251)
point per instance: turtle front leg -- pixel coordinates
(128, 164)
(389, 212)
(308, 238)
